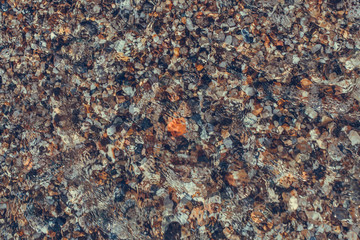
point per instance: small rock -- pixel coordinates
(145, 124)
(316, 48)
(120, 45)
(250, 120)
(111, 130)
(341, 213)
(156, 39)
(231, 22)
(249, 91)
(311, 112)
(189, 24)
(351, 235)
(220, 36)
(293, 203)
(354, 137)
(246, 36)
(296, 59)
(91, 27)
(222, 64)
(228, 39)
(228, 143)
(305, 83)
(129, 91)
(352, 63)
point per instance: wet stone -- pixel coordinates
(145, 124)
(132, 119)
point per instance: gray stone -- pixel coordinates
(231, 22)
(228, 39)
(189, 24)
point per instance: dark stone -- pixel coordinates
(197, 118)
(167, 147)
(75, 116)
(113, 236)
(105, 141)
(93, 91)
(146, 124)
(14, 225)
(173, 231)
(320, 172)
(337, 70)
(332, 236)
(120, 78)
(217, 231)
(334, 2)
(193, 58)
(206, 105)
(11, 87)
(276, 208)
(154, 189)
(56, 91)
(227, 193)
(236, 70)
(113, 172)
(341, 213)
(321, 94)
(157, 27)
(246, 36)
(90, 26)
(202, 157)
(124, 106)
(120, 192)
(80, 68)
(161, 120)
(205, 81)
(355, 124)
(64, 198)
(295, 80)
(162, 64)
(226, 121)
(354, 28)
(138, 148)
(54, 225)
(281, 120)
(31, 174)
(279, 190)
(4, 6)
(5, 109)
(182, 143)
(336, 131)
(95, 129)
(120, 93)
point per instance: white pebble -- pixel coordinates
(354, 137)
(111, 130)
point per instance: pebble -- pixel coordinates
(293, 203)
(231, 22)
(316, 48)
(295, 59)
(250, 120)
(311, 113)
(249, 90)
(228, 39)
(189, 24)
(111, 130)
(354, 137)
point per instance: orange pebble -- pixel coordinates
(177, 127)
